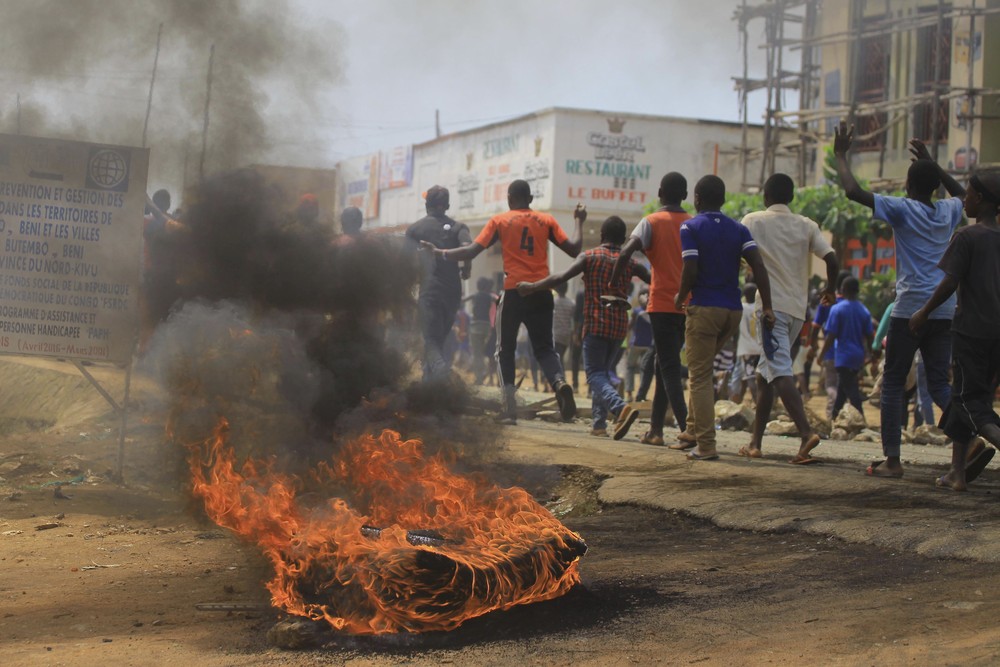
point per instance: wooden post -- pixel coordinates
(208, 101)
(152, 82)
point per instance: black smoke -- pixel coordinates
(82, 69)
(298, 337)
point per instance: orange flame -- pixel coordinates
(444, 548)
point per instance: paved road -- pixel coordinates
(833, 499)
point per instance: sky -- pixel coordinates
(311, 82)
(488, 60)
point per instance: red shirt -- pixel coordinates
(602, 318)
(524, 237)
(660, 233)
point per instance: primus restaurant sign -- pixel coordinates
(614, 170)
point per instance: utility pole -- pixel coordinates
(437, 122)
(208, 101)
(152, 82)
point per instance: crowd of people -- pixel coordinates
(732, 299)
(723, 306)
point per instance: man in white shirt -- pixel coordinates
(786, 241)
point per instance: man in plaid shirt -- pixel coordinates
(605, 321)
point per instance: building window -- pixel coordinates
(873, 74)
(929, 50)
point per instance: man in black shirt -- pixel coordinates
(972, 266)
(441, 280)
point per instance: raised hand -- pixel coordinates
(919, 150)
(580, 213)
(843, 137)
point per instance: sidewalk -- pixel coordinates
(835, 499)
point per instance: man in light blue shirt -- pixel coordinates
(922, 228)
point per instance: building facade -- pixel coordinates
(610, 162)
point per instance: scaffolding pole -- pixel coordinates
(804, 122)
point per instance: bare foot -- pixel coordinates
(808, 444)
(891, 470)
(750, 452)
(951, 481)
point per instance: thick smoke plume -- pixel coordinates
(297, 337)
(82, 68)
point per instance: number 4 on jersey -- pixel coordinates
(527, 241)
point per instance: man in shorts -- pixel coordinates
(524, 237)
(787, 242)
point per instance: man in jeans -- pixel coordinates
(605, 321)
(524, 237)
(922, 229)
(441, 281)
(658, 235)
(713, 245)
(787, 242)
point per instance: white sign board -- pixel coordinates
(478, 166)
(71, 223)
(359, 179)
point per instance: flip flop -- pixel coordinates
(650, 439)
(975, 467)
(682, 446)
(628, 417)
(873, 471)
(750, 453)
(807, 461)
(943, 483)
(695, 456)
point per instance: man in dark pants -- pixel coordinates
(922, 229)
(971, 266)
(658, 235)
(441, 281)
(524, 237)
(605, 321)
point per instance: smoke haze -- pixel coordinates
(267, 66)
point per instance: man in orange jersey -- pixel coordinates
(524, 237)
(658, 235)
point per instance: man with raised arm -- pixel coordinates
(605, 321)
(922, 228)
(524, 237)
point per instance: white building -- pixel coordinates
(610, 162)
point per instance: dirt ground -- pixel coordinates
(116, 577)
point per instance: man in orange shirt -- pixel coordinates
(524, 237)
(658, 235)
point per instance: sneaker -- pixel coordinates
(624, 422)
(506, 420)
(599, 432)
(564, 397)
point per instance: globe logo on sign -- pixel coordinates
(107, 169)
